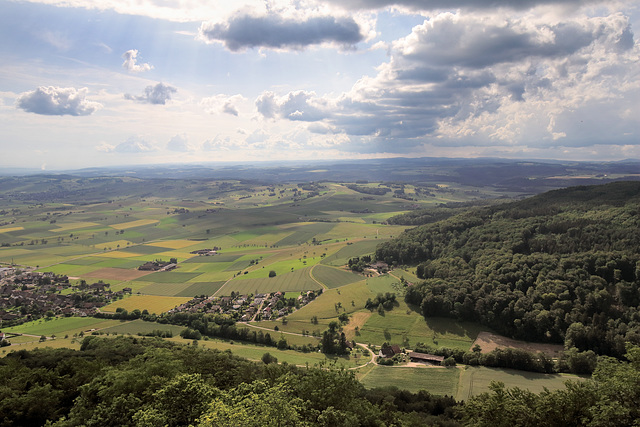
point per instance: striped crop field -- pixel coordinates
(176, 244)
(333, 277)
(132, 224)
(298, 280)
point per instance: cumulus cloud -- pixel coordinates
(57, 101)
(131, 62)
(499, 80)
(275, 30)
(298, 106)
(179, 143)
(158, 94)
(223, 143)
(222, 104)
(133, 145)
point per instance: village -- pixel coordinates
(246, 308)
(27, 295)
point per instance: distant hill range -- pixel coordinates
(509, 177)
(563, 266)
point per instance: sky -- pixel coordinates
(87, 83)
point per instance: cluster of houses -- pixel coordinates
(158, 265)
(246, 308)
(29, 295)
(388, 352)
(206, 252)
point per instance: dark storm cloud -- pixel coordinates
(158, 94)
(57, 101)
(244, 31)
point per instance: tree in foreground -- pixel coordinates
(609, 398)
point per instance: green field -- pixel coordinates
(153, 303)
(200, 288)
(170, 277)
(136, 327)
(298, 280)
(60, 326)
(476, 379)
(341, 257)
(333, 277)
(436, 380)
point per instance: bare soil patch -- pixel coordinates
(111, 273)
(489, 342)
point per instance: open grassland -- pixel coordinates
(200, 288)
(255, 352)
(70, 342)
(141, 327)
(436, 380)
(145, 249)
(333, 277)
(70, 270)
(351, 250)
(404, 326)
(298, 280)
(61, 326)
(133, 224)
(170, 277)
(476, 379)
(333, 302)
(221, 258)
(61, 228)
(88, 260)
(120, 254)
(280, 267)
(117, 274)
(175, 244)
(164, 289)
(10, 229)
(153, 303)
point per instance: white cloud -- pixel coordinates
(481, 79)
(179, 143)
(57, 101)
(158, 94)
(222, 104)
(134, 145)
(130, 62)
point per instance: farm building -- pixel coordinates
(426, 358)
(390, 351)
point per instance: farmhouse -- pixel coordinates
(390, 351)
(425, 358)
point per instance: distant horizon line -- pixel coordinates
(13, 170)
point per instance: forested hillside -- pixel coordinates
(563, 266)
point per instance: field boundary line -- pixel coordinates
(325, 287)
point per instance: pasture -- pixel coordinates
(61, 326)
(476, 379)
(333, 277)
(436, 380)
(298, 280)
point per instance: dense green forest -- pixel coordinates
(563, 266)
(126, 381)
